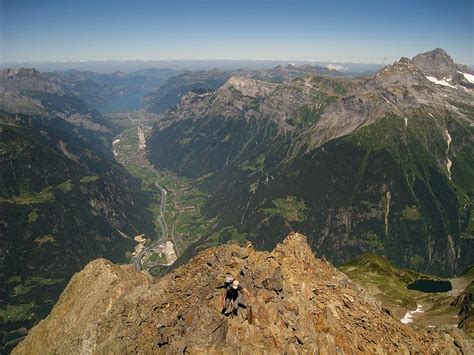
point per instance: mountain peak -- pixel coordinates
(435, 66)
(436, 63)
(299, 304)
(436, 56)
(435, 53)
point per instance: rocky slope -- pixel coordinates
(299, 304)
(377, 164)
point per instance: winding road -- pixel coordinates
(137, 261)
(140, 158)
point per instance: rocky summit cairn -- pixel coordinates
(300, 304)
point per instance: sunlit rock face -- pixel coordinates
(299, 304)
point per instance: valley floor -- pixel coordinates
(177, 212)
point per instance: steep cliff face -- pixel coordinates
(299, 304)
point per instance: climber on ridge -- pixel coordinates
(231, 294)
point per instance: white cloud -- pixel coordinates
(336, 67)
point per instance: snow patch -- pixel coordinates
(408, 317)
(469, 77)
(406, 121)
(443, 82)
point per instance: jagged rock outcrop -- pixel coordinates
(300, 304)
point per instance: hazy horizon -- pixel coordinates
(367, 31)
(129, 66)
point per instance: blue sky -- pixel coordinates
(338, 30)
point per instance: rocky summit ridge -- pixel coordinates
(300, 304)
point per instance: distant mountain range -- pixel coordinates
(129, 66)
(380, 163)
